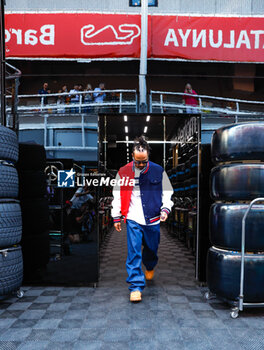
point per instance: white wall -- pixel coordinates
(235, 7)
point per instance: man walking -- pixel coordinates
(142, 206)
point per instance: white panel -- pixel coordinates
(203, 6)
(257, 7)
(235, 7)
(240, 7)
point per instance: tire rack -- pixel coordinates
(182, 221)
(243, 160)
(58, 206)
(241, 304)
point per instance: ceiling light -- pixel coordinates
(148, 118)
(126, 138)
(126, 129)
(145, 129)
(125, 118)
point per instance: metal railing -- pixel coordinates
(164, 101)
(60, 103)
(121, 101)
(80, 118)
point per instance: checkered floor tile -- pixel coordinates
(172, 315)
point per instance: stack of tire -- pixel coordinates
(184, 181)
(178, 180)
(238, 178)
(184, 178)
(35, 209)
(11, 262)
(190, 183)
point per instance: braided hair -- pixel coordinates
(141, 145)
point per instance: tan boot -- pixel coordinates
(135, 296)
(149, 275)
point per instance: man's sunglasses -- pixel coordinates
(138, 162)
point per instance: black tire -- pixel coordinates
(193, 187)
(193, 166)
(31, 157)
(237, 182)
(174, 181)
(187, 185)
(8, 181)
(8, 144)
(32, 184)
(11, 270)
(223, 275)
(190, 187)
(238, 142)
(179, 189)
(180, 172)
(194, 151)
(226, 227)
(173, 176)
(187, 169)
(35, 216)
(10, 223)
(36, 251)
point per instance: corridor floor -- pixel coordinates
(172, 315)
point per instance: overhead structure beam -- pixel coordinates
(143, 57)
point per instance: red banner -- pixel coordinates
(237, 39)
(72, 35)
(94, 35)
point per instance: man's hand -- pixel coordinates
(117, 226)
(163, 216)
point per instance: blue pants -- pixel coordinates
(137, 235)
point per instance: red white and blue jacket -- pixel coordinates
(155, 194)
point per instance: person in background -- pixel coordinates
(74, 97)
(75, 209)
(88, 98)
(99, 94)
(189, 100)
(44, 91)
(81, 196)
(81, 96)
(62, 99)
(143, 205)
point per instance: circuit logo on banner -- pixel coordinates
(66, 178)
(129, 31)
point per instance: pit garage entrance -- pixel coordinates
(175, 145)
